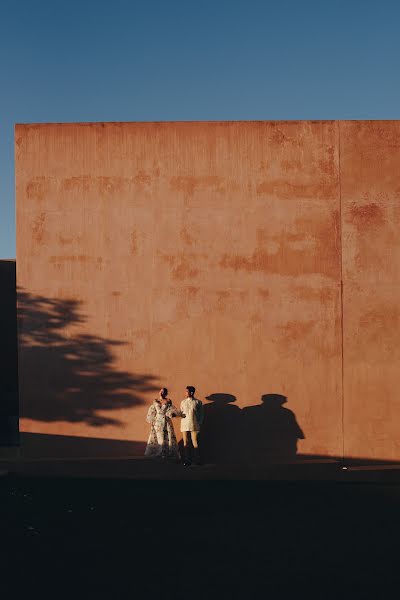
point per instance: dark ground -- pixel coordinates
(199, 539)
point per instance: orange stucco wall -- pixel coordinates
(209, 254)
(370, 178)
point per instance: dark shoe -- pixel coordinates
(186, 457)
(197, 460)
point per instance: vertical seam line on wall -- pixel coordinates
(341, 287)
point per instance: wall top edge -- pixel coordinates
(216, 122)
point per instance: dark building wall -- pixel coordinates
(8, 355)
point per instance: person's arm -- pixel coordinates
(151, 413)
(182, 410)
(173, 412)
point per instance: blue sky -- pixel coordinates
(154, 60)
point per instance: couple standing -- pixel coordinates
(162, 440)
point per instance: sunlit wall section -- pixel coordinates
(370, 182)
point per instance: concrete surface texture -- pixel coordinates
(210, 254)
(370, 177)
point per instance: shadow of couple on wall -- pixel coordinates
(258, 433)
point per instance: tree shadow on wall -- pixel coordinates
(266, 432)
(67, 376)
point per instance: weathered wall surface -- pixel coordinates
(182, 253)
(370, 182)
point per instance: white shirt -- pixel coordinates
(193, 411)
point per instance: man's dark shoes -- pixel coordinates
(186, 457)
(197, 460)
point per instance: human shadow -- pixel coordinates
(221, 432)
(263, 433)
(270, 430)
(70, 376)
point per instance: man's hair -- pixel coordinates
(191, 389)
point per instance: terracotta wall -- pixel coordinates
(209, 254)
(370, 181)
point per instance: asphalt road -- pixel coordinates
(199, 539)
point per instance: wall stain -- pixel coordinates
(378, 327)
(65, 241)
(380, 321)
(80, 183)
(133, 246)
(186, 237)
(322, 257)
(255, 319)
(78, 258)
(294, 164)
(182, 265)
(111, 185)
(188, 185)
(105, 185)
(291, 191)
(38, 227)
(264, 293)
(192, 291)
(37, 188)
(324, 294)
(142, 178)
(222, 296)
(367, 216)
(296, 331)
(329, 164)
(278, 137)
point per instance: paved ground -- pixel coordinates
(147, 469)
(136, 538)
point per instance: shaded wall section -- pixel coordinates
(8, 355)
(171, 254)
(370, 177)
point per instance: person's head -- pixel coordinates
(190, 390)
(163, 393)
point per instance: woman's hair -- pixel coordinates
(191, 389)
(165, 391)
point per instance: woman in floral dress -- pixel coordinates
(162, 440)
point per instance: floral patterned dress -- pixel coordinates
(162, 440)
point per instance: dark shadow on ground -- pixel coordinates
(66, 375)
(37, 445)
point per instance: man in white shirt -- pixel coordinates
(191, 423)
